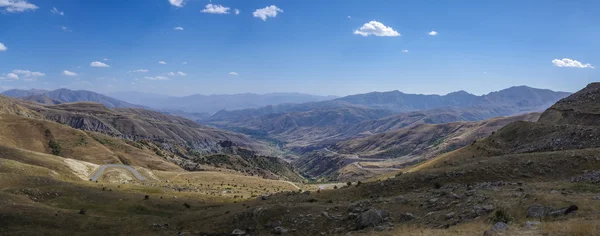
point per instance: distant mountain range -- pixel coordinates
(60, 96)
(198, 103)
(365, 114)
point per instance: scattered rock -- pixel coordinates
(497, 229)
(563, 211)
(532, 224)
(539, 211)
(238, 232)
(279, 230)
(406, 217)
(596, 198)
(450, 215)
(536, 211)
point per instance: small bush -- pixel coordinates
(186, 205)
(358, 183)
(82, 211)
(146, 197)
(312, 200)
(399, 174)
(349, 183)
(55, 148)
(334, 186)
(501, 215)
(437, 185)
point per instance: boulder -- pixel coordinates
(370, 218)
(238, 232)
(536, 211)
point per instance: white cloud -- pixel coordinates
(215, 9)
(56, 11)
(237, 11)
(64, 28)
(171, 74)
(233, 73)
(566, 62)
(2, 47)
(14, 6)
(98, 64)
(178, 28)
(106, 59)
(177, 3)
(12, 76)
(140, 71)
(349, 17)
(156, 78)
(27, 75)
(69, 73)
(264, 13)
(404, 50)
(376, 28)
(162, 62)
(185, 63)
(181, 73)
(433, 33)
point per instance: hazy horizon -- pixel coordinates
(267, 93)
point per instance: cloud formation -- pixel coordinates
(376, 28)
(99, 64)
(25, 74)
(433, 33)
(2, 47)
(56, 11)
(14, 6)
(156, 78)
(405, 51)
(177, 3)
(237, 11)
(233, 73)
(69, 73)
(215, 9)
(181, 73)
(12, 76)
(566, 62)
(264, 13)
(140, 71)
(162, 62)
(178, 28)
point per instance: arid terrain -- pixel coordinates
(516, 175)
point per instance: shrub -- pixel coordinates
(82, 211)
(334, 186)
(146, 197)
(186, 205)
(437, 185)
(349, 183)
(501, 215)
(55, 148)
(399, 174)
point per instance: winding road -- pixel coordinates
(131, 170)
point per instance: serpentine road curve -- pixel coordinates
(131, 170)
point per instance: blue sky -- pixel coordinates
(335, 47)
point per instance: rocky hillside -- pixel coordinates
(426, 140)
(385, 152)
(167, 138)
(66, 96)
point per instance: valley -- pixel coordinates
(431, 172)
